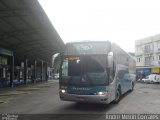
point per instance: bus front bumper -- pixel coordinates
(85, 98)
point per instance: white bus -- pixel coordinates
(96, 72)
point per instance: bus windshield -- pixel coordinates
(85, 70)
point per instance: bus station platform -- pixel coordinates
(7, 93)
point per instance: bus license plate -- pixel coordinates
(80, 98)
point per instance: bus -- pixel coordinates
(95, 72)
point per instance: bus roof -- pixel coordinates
(87, 41)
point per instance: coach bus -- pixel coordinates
(96, 72)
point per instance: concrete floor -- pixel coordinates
(43, 101)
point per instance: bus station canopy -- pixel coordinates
(26, 30)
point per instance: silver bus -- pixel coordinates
(96, 72)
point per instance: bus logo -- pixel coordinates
(83, 47)
(83, 79)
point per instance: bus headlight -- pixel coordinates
(101, 93)
(63, 91)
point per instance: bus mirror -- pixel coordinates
(110, 59)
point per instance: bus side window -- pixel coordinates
(111, 73)
(110, 65)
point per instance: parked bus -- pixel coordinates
(96, 72)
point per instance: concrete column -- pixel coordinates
(25, 70)
(18, 74)
(42, 70)
(46, 69)
(35, 72)
(11, 71)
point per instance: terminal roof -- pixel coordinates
(26, 30)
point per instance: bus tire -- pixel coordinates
(118, 95)
(132, 86)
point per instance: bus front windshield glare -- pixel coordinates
(93, 67)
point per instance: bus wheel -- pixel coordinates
(118, 96)
(132, 86)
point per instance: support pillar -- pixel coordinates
(25, 70)
(35, 72)
(12, 71)
(19, 75)
(42, 71)
(46, 69)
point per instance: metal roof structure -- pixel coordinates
(26, 30)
